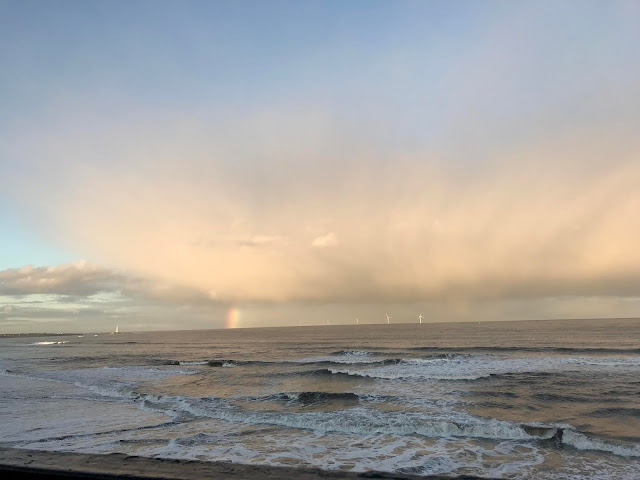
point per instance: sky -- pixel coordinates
(197, 164)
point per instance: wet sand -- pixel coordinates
(40, 465)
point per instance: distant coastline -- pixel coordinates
(11, 335)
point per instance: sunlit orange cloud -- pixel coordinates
(285, 209)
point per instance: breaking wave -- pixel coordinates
(358, 420)
(583, 442)
(221, 363)
(354, 353)
(474, 368)
(342, 357)
(403, 375)
(364, 421)
(309, 398)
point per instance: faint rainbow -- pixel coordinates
(233, 318)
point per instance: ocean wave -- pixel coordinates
(491, 393)
(342, 356)
(616, 412)
(366, 423)
(50, 343)
(221, 363)
(436, 358)
(583, 350)
(582, 442)
(309, 398)
(362, 421)
(475, 368)
(354, 353)
(130, 372)
(318, 372)
(359, 420)
(328, 361)
(215, 362)
(405, 375)
(317, 397)
(377, 361)
(554, 397)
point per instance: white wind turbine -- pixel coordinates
(388, 318)
(420, 317)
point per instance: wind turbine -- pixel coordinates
(420, 317)
(388, 318)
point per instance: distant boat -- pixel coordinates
(117, 330)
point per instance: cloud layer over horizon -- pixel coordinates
(311, 222)
(495, 162)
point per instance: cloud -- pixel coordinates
(259, 240)
(507, 175)
(325, 241)
(535, 217)
(84, 280)
(80, 296)
(75, 279)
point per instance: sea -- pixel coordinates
(530, 399)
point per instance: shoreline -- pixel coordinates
(40, 465)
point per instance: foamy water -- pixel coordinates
(425, 399)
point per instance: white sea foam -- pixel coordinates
(582, 442)
(362, 421)
(355, 353)
(356, 453)
(50, 343)
(399, 373)
(119, 382)
(474, 367)
(347, 356)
